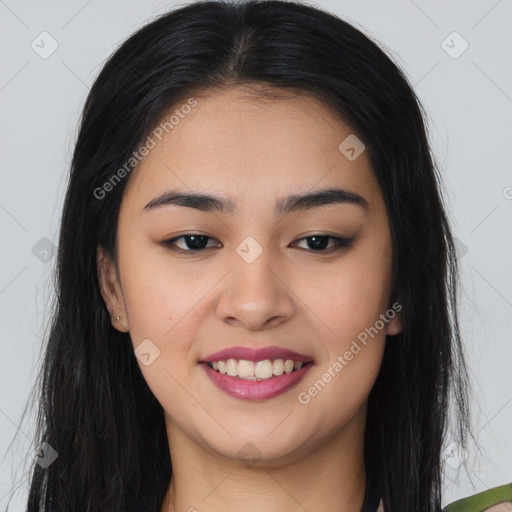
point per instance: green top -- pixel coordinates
(483, 501)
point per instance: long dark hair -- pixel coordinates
(96, 409)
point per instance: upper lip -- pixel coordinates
(252, 354)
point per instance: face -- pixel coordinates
(273, 261)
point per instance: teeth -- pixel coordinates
(263, 369)
(231, 367)
(278, 367)
(245, 368)
(260, 370)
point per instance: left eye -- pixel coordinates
(320, 242)
(195, 243)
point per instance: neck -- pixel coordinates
(326, 477)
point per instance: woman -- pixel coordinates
(256, 302)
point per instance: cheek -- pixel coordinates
(165, 306)
(349, 297)
(167, 303)
(347, 303)
(159, 294)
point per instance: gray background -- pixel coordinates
(468, 98)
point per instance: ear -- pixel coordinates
(111, 290)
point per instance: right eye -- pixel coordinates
(191, 243)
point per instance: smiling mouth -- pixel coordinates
(258, 370)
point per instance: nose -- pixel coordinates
(256, 295)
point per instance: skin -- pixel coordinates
(255, 151)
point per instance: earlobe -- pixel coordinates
(394, 326)
(111, 290)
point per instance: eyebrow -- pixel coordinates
(292, 203)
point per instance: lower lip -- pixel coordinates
(256, 389)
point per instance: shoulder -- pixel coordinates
(497, 499)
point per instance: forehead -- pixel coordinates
(251, 147)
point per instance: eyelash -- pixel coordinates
(340, 243)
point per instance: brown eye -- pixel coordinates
(190, 243)
(321, 242)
